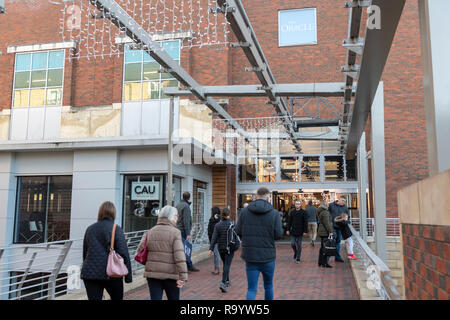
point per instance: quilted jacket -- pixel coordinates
(165, 252)
(96, 244)
(220, 235)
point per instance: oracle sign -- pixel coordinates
(297, 27)
(145, 190)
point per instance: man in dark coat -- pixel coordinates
(184, 223)
(336, 209)
(259, 225)
(297, 226)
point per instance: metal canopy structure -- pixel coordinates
(331, 89)
(242, 29)
(376, 49)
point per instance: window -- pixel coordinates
(289, 169)
(267, 170)
(310, 169)
(43, 209)
(334, 168)
(144, 197)
(38, 79)
(142, 78)
(351, 169)
(297, 27)
(198, 204)
(247, 171)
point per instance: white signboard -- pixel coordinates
(297, 27)
(145, 190)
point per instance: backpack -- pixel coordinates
(233, 240)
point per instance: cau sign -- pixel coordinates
(145, 190)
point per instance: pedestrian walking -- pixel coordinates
(259, 226)
(336, 209)
(297, 226)
(311, 217)
(96, 248)
(165, 269)
(215, 218)
(325, 230)
(184, 224)
(221, 237)
(342, 222)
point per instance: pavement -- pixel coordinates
(292, 281)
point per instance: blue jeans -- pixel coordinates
(253, 270)
(188, 258)
(338, 236)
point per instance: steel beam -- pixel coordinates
(377, 45)
(317, 123)
(117, 15)
(326, 89)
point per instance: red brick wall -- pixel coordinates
(426, 259)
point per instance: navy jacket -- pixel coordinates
(259, 225)
(311, 214)
(96, 244)
(336, 210)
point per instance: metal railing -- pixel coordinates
(392, 226)
(40, 271)
(379, 278)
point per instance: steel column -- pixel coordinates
(362, 186)
(169, 153)
(434, 30)
(379, 171)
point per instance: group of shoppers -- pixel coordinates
(167, 264)
(329, 220)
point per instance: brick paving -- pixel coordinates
(304, 281)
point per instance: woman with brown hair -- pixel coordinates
(96, 248)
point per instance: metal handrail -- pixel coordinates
(22, 258)
(387, 289)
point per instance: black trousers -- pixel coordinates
(95, 288)
(323, 258)
(227, 258)
(157, 286)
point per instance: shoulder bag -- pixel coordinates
(116, 267)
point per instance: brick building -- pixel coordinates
(101, 118)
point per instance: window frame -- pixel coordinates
(142, 81)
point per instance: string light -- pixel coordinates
(96, 36)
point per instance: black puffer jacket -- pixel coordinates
(212, 222)
(220, 235)
(97, 241)
(298, 222)
(259, 225)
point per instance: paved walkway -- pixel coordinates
(304, 281)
